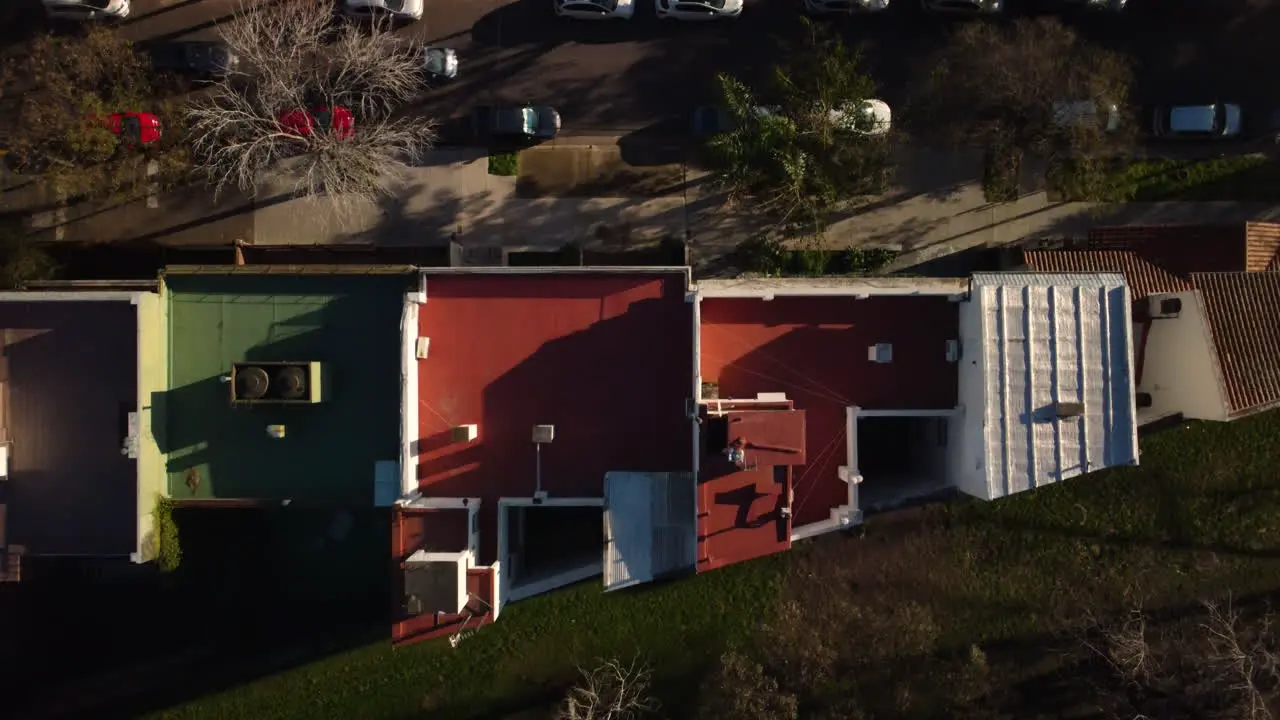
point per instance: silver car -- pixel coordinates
(1220, 120)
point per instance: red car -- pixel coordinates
(305, 122)
(135, 128)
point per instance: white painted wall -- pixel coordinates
(966, 447)
(1180, 368)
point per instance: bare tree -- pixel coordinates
(611, 691)
(1243, 660)
(315, 99)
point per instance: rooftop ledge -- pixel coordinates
(767, 288)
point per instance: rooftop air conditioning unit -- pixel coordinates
(436, 582)
(277, 383)
(1163, 307)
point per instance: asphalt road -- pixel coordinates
(618, 77)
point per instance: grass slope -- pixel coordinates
(1199, 517)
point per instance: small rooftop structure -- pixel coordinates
(1046, 380)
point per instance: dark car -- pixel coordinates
(516, 122)
(711, 120)
(202, 59)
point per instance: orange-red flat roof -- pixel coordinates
(607, 359)
(816, 351)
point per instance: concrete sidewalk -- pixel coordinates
(936, 208)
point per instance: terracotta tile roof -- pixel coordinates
(1179, 249)
(1143, 277)
(1243, 314)
(1262, 246)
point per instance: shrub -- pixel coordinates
(764, 255)
(507, 164)
(739, 688)
(169, 549)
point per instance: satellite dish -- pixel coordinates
(252, 383)
(291, 382)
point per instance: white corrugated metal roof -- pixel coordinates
(649, 526)
(1048, 339)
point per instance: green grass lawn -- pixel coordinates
(526, 659)
(1199, 517)
(1241, 178)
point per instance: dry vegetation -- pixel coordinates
(293, 56)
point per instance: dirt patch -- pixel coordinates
(593, 172)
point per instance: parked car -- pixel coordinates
(305, 122)
(406, 10)
(1219, 120)
(698, 9)
(832, 7)
(708, 120)
(596, 9)
(1083, 112)
(202, 59)
(134, 128)
(440, 62)
(868, 117)
(518, 122)
(87, 10)
(963, 6)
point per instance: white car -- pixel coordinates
(87, 9)
(833, 7)
(1086, 112)
(869, 117)
(697, 9)
(406, 10)
(596, 9)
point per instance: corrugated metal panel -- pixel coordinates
(1048, 339)
(648, 526)
(1243, 314)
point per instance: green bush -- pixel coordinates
(769, 257)
(169, 548)
(507, 164)
(1000, 169)
(762, 255)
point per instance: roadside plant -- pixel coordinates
(1030, 88)
(64, 94)
(795, 163)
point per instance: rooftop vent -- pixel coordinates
(1068, 409)
(1166, 307)
(880, 353)
(277, 383)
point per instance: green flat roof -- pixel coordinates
(349, 323)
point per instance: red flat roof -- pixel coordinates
(607, 359)
(816, 351)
